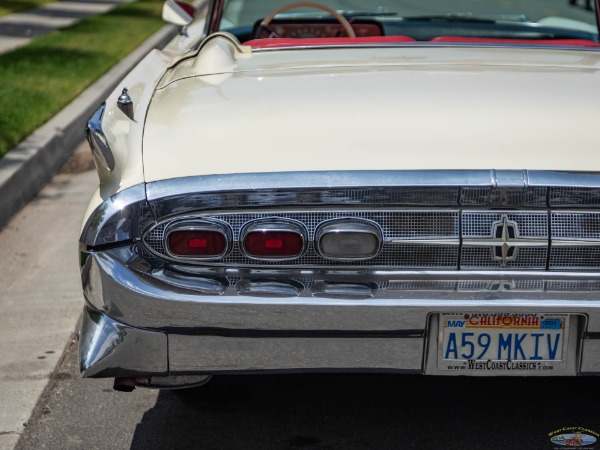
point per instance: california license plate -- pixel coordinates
(502, 342)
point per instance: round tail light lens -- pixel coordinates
(273, 240)
(197, 241)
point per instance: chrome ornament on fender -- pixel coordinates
(125, 103)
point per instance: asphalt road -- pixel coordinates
(352, 411)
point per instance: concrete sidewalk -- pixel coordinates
(40, 293)
(20, 28)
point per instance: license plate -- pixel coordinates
(502, 342)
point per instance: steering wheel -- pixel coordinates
(341, 19)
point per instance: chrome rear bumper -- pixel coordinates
(142, 320)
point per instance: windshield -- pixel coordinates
(391, 16)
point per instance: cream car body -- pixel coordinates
(404, 146)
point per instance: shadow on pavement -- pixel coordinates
(367, 411)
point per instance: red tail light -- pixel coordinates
(199, 243)
(273, 243)
(273, 240)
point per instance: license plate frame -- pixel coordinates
(497, 322)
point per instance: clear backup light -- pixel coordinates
(273, 240)
(196, 239)
(348, 239)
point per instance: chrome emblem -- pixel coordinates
(505, 241)
(504, 231)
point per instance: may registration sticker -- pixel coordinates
(503, 342)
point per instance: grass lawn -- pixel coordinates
(11, 6)
(38, 80)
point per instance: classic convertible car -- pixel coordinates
(349, 186)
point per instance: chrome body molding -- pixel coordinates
(428, 44)
(98, 142)
(490, 188)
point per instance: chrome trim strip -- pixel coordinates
(510, 178)
(537, 189)
(98, 142)
(563, 179)
(324, 179)
(501, 242)
(574, 243)
(427, 241)
(376, 178)
(421, 44)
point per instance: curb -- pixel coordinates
(28, 167)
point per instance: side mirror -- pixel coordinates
(178, 12)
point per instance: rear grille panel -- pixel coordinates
(574, 225)
(569, 258)
(474, 258)
(530, 224)
(573, 197)
(444, 239)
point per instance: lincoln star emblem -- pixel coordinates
(504, 231)
(505, 241)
